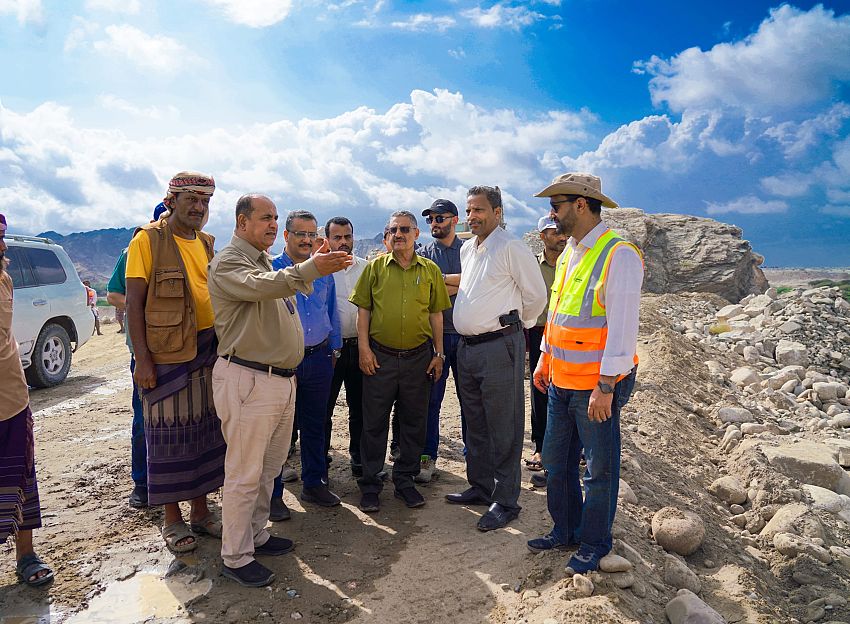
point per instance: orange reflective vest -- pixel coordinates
(576, 327)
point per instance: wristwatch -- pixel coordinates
(442, 356)
(605, 388)
(337, 353)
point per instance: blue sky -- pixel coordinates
(738, 111)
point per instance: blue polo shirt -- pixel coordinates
(448, 259)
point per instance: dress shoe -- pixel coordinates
(320, 495)
(496, 517)
(548, 542)
(411, 497)
(275, 546)
(278, 511)
(139, 497)
(369, 502)
(470, 496)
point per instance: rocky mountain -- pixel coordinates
(93, 253)
(687, 254)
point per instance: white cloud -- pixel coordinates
(80, 33)
(26, 11)
(457, 53)
(502, 15)
(787, 185)
(149, 52)
(794, 59)
(421, 22)
(253, 13)
(749, 204)
(130, 7)
(112, 102)
(836, 210)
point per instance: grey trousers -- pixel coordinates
(493, 399)
(401, 381)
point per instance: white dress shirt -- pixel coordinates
(620, 296)
(499, 274)
(345, 281)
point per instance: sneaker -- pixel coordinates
(538, 479)
(139, 497)
(411, 497)
(320, 495)
(584, 561)
(288, 474)
(548, 542)
(395, 453)
(278, 511)
(369, 502)
(426, 469)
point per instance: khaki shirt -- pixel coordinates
(14, 394)
(401, 299)
(254, 318)
(548, 272)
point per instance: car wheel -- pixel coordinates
(51, 358)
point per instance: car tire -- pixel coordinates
(51, 358)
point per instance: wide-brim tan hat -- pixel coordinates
(578, 184)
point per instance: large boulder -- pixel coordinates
(677, 531)
(687, 608)
(686, 254)
(808, 462)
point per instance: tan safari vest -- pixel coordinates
(170, 322)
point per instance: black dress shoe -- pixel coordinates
(320, 495)
(278, 511)
(496, 517)
(275, 546)
(139, 497)
(411, 497)
(254, 574)
(470, 496)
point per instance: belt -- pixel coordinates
(402, 353)
(499, 333)
(348, 342)
(266, 368)
(316, 347)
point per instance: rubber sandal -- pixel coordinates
(29, 566)
(533, 465)
(208, 525)
(173, 533)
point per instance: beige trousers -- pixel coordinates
(256, 411)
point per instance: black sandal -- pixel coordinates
(29, 566)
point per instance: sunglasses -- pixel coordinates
(404, 229)
(303, 234)
(439, 219)
(569, 200)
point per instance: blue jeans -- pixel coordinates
(438, 391)
(568, 428)
(313, 376)
(138, 448)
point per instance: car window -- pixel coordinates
(19, 269)
(46, 266)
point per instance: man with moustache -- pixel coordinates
(322, 341)
(444, 251)
(339, 232)
(501, 291)
(401, 297)
(260, 344)
(554, 241)
(170, 319)
(588, 365)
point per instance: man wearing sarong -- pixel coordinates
(20, 511)
(170, 319)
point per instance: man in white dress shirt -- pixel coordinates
(501, 291)
(340, 234)
(587, 367)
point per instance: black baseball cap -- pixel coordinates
(441, 205)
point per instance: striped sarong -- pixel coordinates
(19, 506)
(182, 431)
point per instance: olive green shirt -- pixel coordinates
(254, 318)
(548, 272)
(401, 299)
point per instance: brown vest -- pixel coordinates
(170, 325)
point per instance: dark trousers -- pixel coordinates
(313, 383)
(399, 380)
(138, 447)
(539, 401)
(492, 394)
(438, 391)
(347, 371)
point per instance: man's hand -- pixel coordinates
(331, 261)
(435, 368)
(368, 361)
(145, 373)
(599, 408)
(541, 376)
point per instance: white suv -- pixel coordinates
(51, 308)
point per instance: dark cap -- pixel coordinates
(157, 212)
(441, 205)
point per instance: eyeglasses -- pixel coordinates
(569, 200)
(303, 234)
(439, 219)
(404, 229)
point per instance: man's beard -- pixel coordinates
(344, 248)
(439, 233)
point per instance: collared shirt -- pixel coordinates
(548, 272)
(14, 395)
(255, 317)
(499, 275)
(401, 299)
(447, 257)
(345, 281)
(621, 297)
(318, 311)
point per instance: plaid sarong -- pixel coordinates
(19, 505)
(182, 431)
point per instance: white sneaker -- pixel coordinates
(288, 474)
(427, 466)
